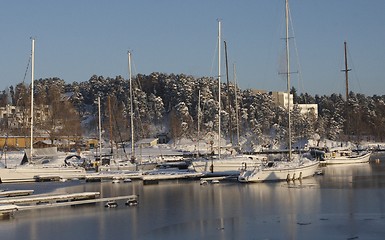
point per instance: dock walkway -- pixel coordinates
(15, 193)
(10, 205)
(50, 198)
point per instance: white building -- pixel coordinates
(309, 109)
(281, 99)
(16, 117)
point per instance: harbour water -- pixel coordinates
(347, 202)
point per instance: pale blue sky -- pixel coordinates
(78, 38)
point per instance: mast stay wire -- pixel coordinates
(299, 71)
(353, 67)
(26, 70)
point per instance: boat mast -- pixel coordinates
(110, 121)
(288, 74)
(236, 105)
(219, 89)
(346, 70)
(131, 109)
(199, 118)
(228, 95)
(100, 132)
(32, 77)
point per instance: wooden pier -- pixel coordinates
(15, 193)
(50, 198)
(112, 176)
(8, 206)
(170, 176)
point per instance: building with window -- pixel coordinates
(281, 99)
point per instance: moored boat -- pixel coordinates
(289, 168)
(226, 164)
(346, 157)
(280, 171)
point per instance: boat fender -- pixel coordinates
(244, 166)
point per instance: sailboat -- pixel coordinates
(289, 169)
(31, 170)
(223, 164)
(343, 155)
(132, 164)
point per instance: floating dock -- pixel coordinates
(50, 198)
(111, 176)
(155, 178)
(9, 206)
(15, 193)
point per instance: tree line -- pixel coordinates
(179, 105)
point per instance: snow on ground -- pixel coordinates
(11, 159)
(184, 145)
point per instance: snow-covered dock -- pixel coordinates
(15, 193)
(149, 178)
(97, 177)
(60, 201)
(50, 198)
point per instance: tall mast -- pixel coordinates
(288, 73)
(228, 95)
(219, 89)
(199, 118)
(131, 109)
(236, 104)
(346, 70)
(32, 78)
(100, 131)
(110, 120)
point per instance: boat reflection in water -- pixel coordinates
(346, 202)
(227, 210)
(351, 175)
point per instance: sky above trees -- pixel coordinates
(77, 39)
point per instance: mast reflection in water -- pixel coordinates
(347, 202)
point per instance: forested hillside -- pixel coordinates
(170, 103)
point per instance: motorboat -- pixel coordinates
(280, 171)
(111, 204)
(340, 156)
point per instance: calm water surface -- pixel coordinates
(347, 202)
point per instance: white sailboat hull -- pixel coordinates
(30, 173)
(351, 159)
(127, 166)
(283, 171)
(233, 164)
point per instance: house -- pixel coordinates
(163, 138)
(147, 142)
(42, 144)
(17, 117)
(281, 99)
(18, 142)
(309, 109)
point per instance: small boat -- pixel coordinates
(126, 180)
(215, 181)
(203, 182)
(111, 204)
(132, 202)
(116, 181)
(346, 157)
